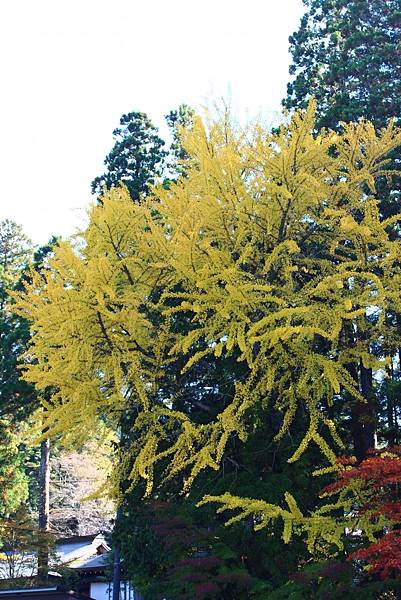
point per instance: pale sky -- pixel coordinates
(69, 69)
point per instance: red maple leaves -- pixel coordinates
(379, 481)
(383, 557)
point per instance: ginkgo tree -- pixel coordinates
(271, 250)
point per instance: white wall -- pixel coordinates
(104, 591)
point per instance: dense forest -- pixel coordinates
(210, 372)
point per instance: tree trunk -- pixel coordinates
(362, 413)
(44, 522)
(366, 378)
(117, 543)
(390, 410)
(116, 572)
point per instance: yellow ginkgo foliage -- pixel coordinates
(271, 248)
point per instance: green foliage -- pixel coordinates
(172, 551)
(345, 55)
(18, 398)
(137, 158)
(178, 120)
(15, 255)
(257, 467)
(13, 480)
(20, 543)
(15, 251)
(333, 580)
(256, 265)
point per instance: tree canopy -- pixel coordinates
(137, 157)
(268, 252)
(15, 253)
(346, 55)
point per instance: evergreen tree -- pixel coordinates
(137, 158)
(346, 55)
(15, 250)
(177, 120)
(16, 395)
(15, 253)
(13, 479)
(27, 468)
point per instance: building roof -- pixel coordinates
(50, 593)
(78, 552)
(93, 563)
(69, 550)
(79, 538)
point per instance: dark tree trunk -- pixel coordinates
(362, 413)
(390, 408)
(366, 378)
(44, 522)
(117, 542)
(116, 572)
(391, 418)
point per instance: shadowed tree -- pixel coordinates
(137, 158)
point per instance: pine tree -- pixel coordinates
(29, 481)
(179, 119)
(15, 251)
(15, 254)
(13, 480)
(136, 159)
(346, 55)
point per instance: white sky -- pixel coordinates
(70, 68)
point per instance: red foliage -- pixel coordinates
(380, 476)
(383, 557)
(381, 469)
